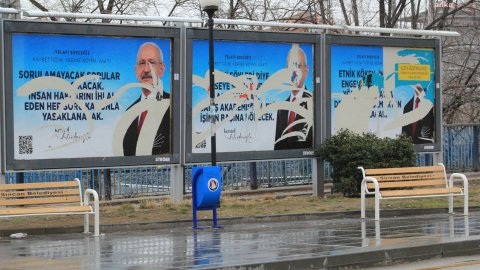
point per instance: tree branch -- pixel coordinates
(453, 11)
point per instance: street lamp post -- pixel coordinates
(210, 6)
(207, 181)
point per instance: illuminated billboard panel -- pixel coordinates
(264, 96)
(384, 90)
(88, 100)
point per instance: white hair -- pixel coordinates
(295, 50)
(151, 44)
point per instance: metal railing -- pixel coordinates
(109, 183)
(260, 174)
(460, 147)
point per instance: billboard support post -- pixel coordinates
(253, 176)
(318, 177)
(475, 156)
(107, 183)
(19, 177)
(176, 183)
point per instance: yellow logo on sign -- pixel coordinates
(413, 72)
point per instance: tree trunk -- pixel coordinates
(344, 11)
(355, 13)
(382, 14)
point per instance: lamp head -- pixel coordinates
(210, 5)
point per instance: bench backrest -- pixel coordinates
(40, 193)
(413, 177)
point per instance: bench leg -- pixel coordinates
(378, 236)
(96, 208)
(96, 211)
(86, 224)
(97, 222)
(450, 204)
(465, 203)
(377, 207)
(362, 201)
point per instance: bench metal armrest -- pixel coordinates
(86, 198)
(367, 180)
(457, 177)
(364, 190)
(454, 177)
(96, 207)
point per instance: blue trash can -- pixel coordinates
(206, 190)
(208, 186)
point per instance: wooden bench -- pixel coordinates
(411, 182)
(50, 198)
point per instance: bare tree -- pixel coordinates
(390, 12)
(344, 12)
(439, 22)
(10, 4)
(355, 13)
(92, 6)
(461, 66)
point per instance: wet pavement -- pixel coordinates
(295, 244)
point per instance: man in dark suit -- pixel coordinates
(422, 130)
(296, 60)
(149, 58)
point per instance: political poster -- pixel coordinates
(383, 90)
(90, 96)
(263, 95)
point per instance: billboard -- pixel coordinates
(89, 97)
(389, 89)
(264, 95)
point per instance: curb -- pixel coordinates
(372, 258)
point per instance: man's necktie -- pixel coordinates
(414, 125)
(291, 116)
(142, 119)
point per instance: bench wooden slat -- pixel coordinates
(409, 177)
(39, 193)
(44, 210)
(64, 199)
(383, 185)
(420, 192)
(39, 185)
(404, 170)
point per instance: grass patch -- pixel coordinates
(167, 204)
(126, 209)
(147, 204)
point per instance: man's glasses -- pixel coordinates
(298, 65)
(142, 63)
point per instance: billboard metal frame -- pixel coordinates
(2, 106)
(11, 27)
(387, 42)
(249, 36)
